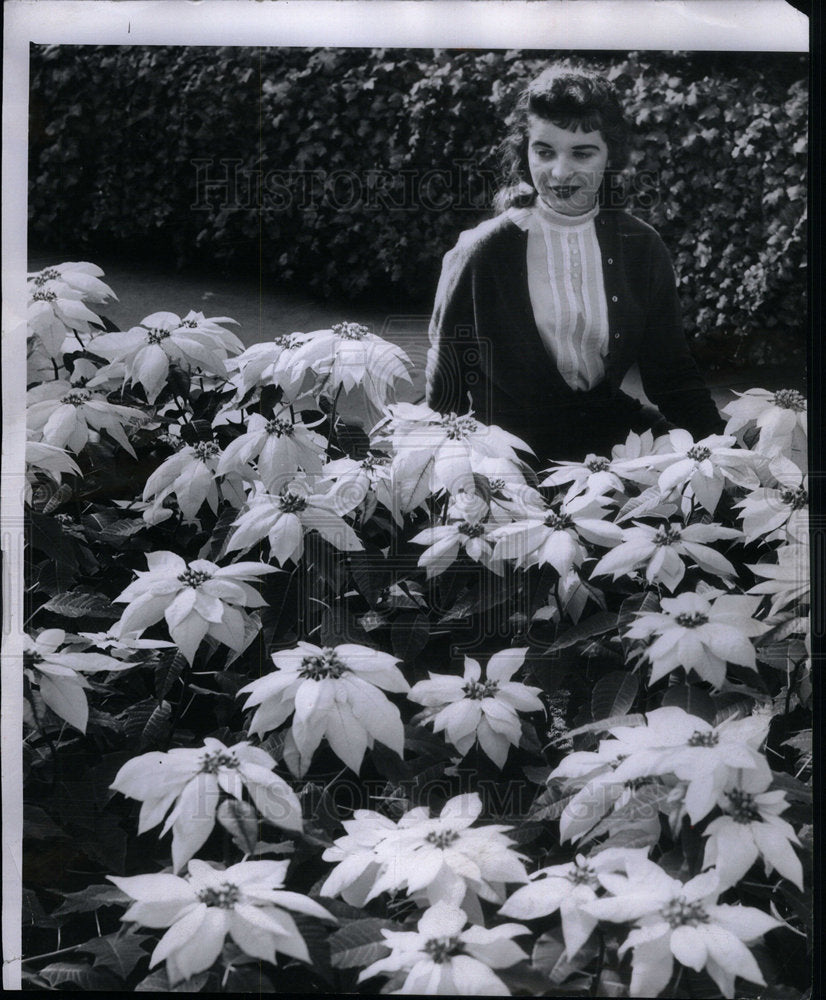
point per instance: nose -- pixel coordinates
(561, 169)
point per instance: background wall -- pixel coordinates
(351, 172)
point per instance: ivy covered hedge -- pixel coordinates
(372, 161)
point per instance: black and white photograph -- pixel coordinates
(405, 499)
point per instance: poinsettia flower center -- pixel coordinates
(679, 912)
(49, 274)
(666, 535)
(741, 807)
(699, 453)
(582, 874)
(789, 399)
(211, 763)
(350, 331)
(205, 450)
(325, 665)
(33, 658)
(558, 521)
(194, 577)
(471, 530)
(290, 503)
(77, 398)
(224, 897)
(442, 838)
(456, 428)
(190, 324)
(286, 342)
(480, 689)
(44, 295)
(597, 464)
(281, 428)
(441, 949)
(497, 485)
(634, 783)
(698, 739)
(691, 619)
(795, 498)
(157, 334)
(372, 461)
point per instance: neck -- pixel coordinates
(559, 219)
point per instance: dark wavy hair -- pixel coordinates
(570, 99)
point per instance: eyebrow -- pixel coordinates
(548, 145)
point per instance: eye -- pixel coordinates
(543, 153)
(583, 154)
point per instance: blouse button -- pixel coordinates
(614, 298)
(616, 336)
(610, 260)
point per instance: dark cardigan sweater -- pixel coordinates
(486, 353)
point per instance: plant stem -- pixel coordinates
(333, 416)
(51, 954)
(600, 963)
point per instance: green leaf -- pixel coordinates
(118, 952)
(83, 976)
(92, 898)
(168, 671)
(550, 957)
(409, 635)
(148, 722)
(597, 624)
(360, 943)
(158, 982)
(690, 699)
(614, 694)
(82, 604)
(241, 821)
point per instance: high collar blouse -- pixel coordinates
(567, 291)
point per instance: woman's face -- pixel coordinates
(566, 166)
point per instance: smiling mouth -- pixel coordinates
(565, 191)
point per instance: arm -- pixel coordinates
(452, 332)
(669, 373)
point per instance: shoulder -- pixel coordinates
(629, 225)
(485, 238)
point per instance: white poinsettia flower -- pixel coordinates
(279, 447)
(698, 469)
(48, 460)
(446, 541)
(56, 303)
(274, 362)
(470, 708)
(429, 858)
(69, 417)
(779, 509)
(568, 889)
(544, 535)
(335, 693)
(191, 474)
(146, 350)
(594, 476)
(683, 921)
(58, 673)
(751, 827)
(246, 901)
(191, 782)
(660, 552)
(284, 519)
(787, 580)
(700, 633)
(356, 482)
(440, 958)
(779, 416)
(671, 745)
(348, 356)
(434, 452)
(196, 599)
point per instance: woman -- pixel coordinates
(541, 311)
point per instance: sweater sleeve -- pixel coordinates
(670, 375)
(452, 360)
